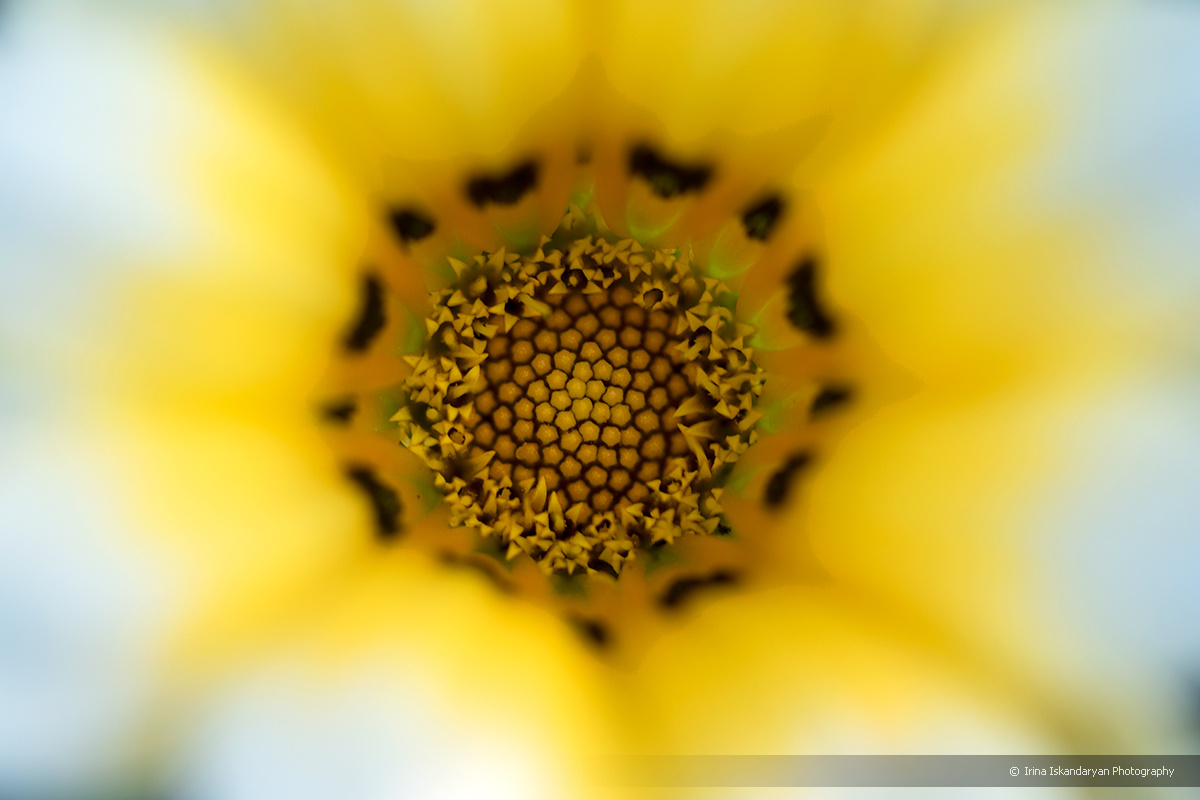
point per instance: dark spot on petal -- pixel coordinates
(506, 189)
(779, 486)
(759, 220)
(684, 589)
(601, 566)
(830, 398)
(371, 316)
(339, 412)
(667, 178)
(409, 225)
(385, 503)
(594, 631)
(805, 310)
(583, 155)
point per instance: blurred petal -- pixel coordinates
(417, 99)
(81, 611)
(766, 65)
(402, 681)
(988, 299)
(1117, 549)
(274, 736)
(174, 318)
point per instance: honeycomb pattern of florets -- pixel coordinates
(579, 404)
(585, 399)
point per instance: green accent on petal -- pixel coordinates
(491, 548)
(521, 238)
(389, 403)
(583, 199)
(719, 267)
(569, 586)
(440, 272)
(722, 262)
(647, 233)
(659, 557)
(413, 342)
(426, 491)
(773, 332)
(740, 481)
(778, 415)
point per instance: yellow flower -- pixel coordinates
(934, 268)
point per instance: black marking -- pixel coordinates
(594, 631)
(759, 220)
(805, 310)
(506, 189)
(339, 412)
(601, 565)
(780, 484)
(384, 500)
(830, 398)
(371, 316)
(684, 589)
(514, 307)
(667, 178)
(411, 226)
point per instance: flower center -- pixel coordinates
(583, 402)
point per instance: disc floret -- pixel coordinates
(583, 402)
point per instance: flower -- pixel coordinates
(199, 200)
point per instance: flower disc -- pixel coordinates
(582, 402)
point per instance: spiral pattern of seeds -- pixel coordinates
(582, 402)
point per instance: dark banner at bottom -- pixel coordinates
(894, 770)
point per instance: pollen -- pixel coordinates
(583, 403)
